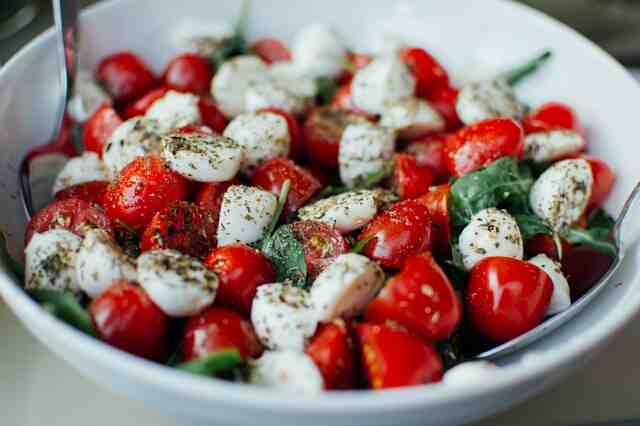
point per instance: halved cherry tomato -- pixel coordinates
(551, 116)
(91, 192)
(420, 298)
(429, 74)
(188, 72)
(436, 200)
(544, 244)
(430, 152)
(241, 269)
(209, 197)
(211, 116)
(99, 127)
(126, 317)
(356, 62)
(400, 231)
(482, 143)
(392, 357)
(409, 179)
(181, 226)
(295, 134)
(333, 352)
(217, 329)
(583, 267)
(272, 174)
(271, 50)
(507, 297)
(321, 243)
(125, 77)
(444, 99)
(72, 214)
(603, 180)
(140, 106)
(144, 186)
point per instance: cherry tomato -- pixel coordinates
(193, 128)
(62, 143)
(603, 180)
(428, 72)
(342, 100)
(295, 134)
(271, 50)
(188, 72)
(241, 269)
(140, 106)
(125, 76)
(552, 116)
(209, 197)
(400, 231)
(410, 180)
(321, 243)
(144, 186)
(583, 267)
(333, 352)
(211, 116)
(125, 317)
(72, 214)
(99, 127)
(482, 143)
(436, 200)
(272, 174)
(430, 152)
(444, 99)
(507, 297)
(356, 62)
(544, 244)
(392, 357)
(91, 192)
(420, 298)
(321, 174)
(217, 329)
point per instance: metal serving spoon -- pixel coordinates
(557, 320)
(65, 14)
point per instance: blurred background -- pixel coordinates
(614, 24)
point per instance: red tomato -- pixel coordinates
(436, 201)
(544, 244)
(321, 243)
(140, 106)
(507, 297)
(272, 175)
(409, 179)
(99, 127)
(420, 298)
(603, 180)
(144, 186)
(342, 100)
(181, 226)
(551, 116)
(430, 152)
(400, 231)
(241, 269)
(443, 99)
(583, 267)
(356, 62)
(482, 143)
(193, 128)
(217, 329)
(393, 357)
(72, 214)
(295, 134)
(91, 192)
(188, 72)
(271, 50)
(428, 72)
(125, 76)
(332, 350)
(211, 116)
(209, 197)
(62, 143)
(125, 317)
(321, 174)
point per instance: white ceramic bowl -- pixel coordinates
(472, 39)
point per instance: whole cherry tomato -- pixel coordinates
(507, 297)
(603, 180)
(356, 62)
(125, 317)
(436, 200)
(430, 152)
(545, 244)
(125, 76)
(429, 74)
(211, 116)
(99, 127)
(271, 50)
(295, 134)
(91, 192)
(141, 105)
(333, 352)
(583, 267)
(209, 197)
(188, 72)
(552, 116)
(444, 99)
(409, 179)
(321, 243)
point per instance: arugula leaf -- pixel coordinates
(9, 263)
(287, 256)
(363, 183)
(596, 238)
(517, 74)
(234, 45)
(531, 225)
(65, 306)
(213, 365)
(326, 90)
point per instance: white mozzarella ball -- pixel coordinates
(561, 194)
(272, 94)
(283, 316)
(384, 80)
(470, 373)
(289, 371)
(365, 148)
(88, 96)
(100, 262)
(488, 99)
(345, 212)
(180, 285)
(50, 261)
(346, 286)
(229, 85)
(561, 296)
(491, 232)
(411, 117)
(553, 145)
(175, 110)
(289, 75)
(202, 157)
(317, 52)
(262, 136)
(245, 213)
(85, 168)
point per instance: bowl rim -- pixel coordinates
(344, 402)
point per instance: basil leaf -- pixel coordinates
(8, 262)
(213, 365)
(326, 90)
(360, 245)
(596, 238)
(234, 45)
(517, 74)
(531, 225)
(287, 256)
(65, 306)
(282, 199)
(600, 219)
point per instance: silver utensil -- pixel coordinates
(557, 320)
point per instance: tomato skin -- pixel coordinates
(144, 186)
(91, 192)
(428, 72)
(430, 152)
(444, 99)
(583, 267)
(295, 133)
(209, 197)
(420, 298)
(193, 128)
(603, 180)
(126, 318)
(342, 100)
(333, 352)
(216, 329)
(140, 106)
(410, 180)
(400, 231)
(188, 72)
(211, 116)
(241, 270)
(321, 244)
(357, 61)
(273, 174)
(436, 200)
(393, 357)
(552, 116)
(482, 143)
(99, 127)
(507, 297)
(544, 244)
(125, 77)
(271, 50)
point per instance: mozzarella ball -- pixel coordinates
(491, 232)
(245, 213)
(50, 261)
(175, 110)
(283, 316)
(411, 117)
(272, 94)
(345, 212)
(100, 262)
(488, 99)
(561, 297)
(85, 168)
(289, 75)
(561, 194)
(365, 148)
(88, 96)
(231, 81)
(470, 373)
(317, 52)
(385, 80)
(346, 286)
(288, 371)
(180, 285)
(554, 145)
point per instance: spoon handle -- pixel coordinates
(65, 13)
(619, 230)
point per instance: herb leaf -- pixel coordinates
(517, 74)
(282, 199)
(596, 238)
(64, 306)
(360, 245)
(326, 90)
(234, 45)
(213, 365)
(531, 225)
(287, 256)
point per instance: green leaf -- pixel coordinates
(287, 256)
(517, 74)
(9, 263)
(531, 225)
(65, 306)
(596, 238)
(213, 365)
(282, 199)
(234, 45)
(326, 90)
(598, 218)
(360, 245)
(365, 182)
(175, 357)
